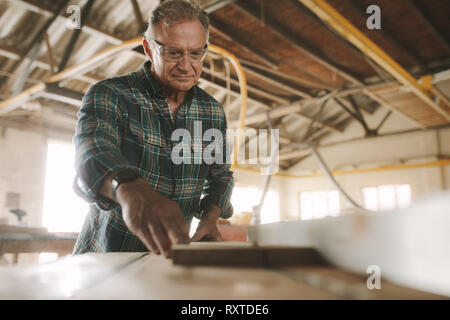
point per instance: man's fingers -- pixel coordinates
(175, 232)
(218, 238)
(149, 242)
(197, 236)
(182, 225)
(160, 236)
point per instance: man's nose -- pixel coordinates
(184, 63)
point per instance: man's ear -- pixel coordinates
(147, 50)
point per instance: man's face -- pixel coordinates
(180, 75)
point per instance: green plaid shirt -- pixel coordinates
(126, 122)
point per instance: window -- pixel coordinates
(387, 197)
(245, 198)
(319, 204)
(63, 211)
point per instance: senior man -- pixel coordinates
(140, 198)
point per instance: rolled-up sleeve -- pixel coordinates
(97, 142)
(219, 181)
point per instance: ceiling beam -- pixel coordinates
(273, 114)
(53, 92)
(234, 93)
(90, 29)
(246, 64)
(386, 104)
(409, 53)
(34, 47)
(39, 36)
(46, 65)
(219, 4)
(255, 90)
(302, 92)
(312, 17)
(356, 114)
(233, 105)
(278, 83)
(262, 104)
(298, 153)
(318, 122)
(85, 66)
(339, 23)
(225, 32)
(45, 10)
(299, 44)
(141, 25)
(75, 36)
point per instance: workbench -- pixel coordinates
(139, 276)
(16, 240)
(410, 247)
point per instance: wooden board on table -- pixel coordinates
(243, 254)
(154, 277)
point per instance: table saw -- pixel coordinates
(411, 248)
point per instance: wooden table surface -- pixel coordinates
(147, 276)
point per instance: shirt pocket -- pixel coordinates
(155, 154)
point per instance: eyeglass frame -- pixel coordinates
(162, 47)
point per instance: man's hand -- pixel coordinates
(207, 228)
(157, 221)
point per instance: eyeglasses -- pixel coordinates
(173, 54)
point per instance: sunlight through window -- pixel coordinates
(319, 204)
(244, 198)
(63, 211)
(387, 197)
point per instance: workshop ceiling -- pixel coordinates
(290, 58)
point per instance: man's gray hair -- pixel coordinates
(171, 12)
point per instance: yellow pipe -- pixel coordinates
(439, 163)
(243, 88)
(66, 74)
(333, 18)
(13, 102)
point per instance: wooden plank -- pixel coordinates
(243, 254)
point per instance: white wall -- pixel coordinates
(250, 179)
(22, 170)
(23, 158)
(409, 147)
